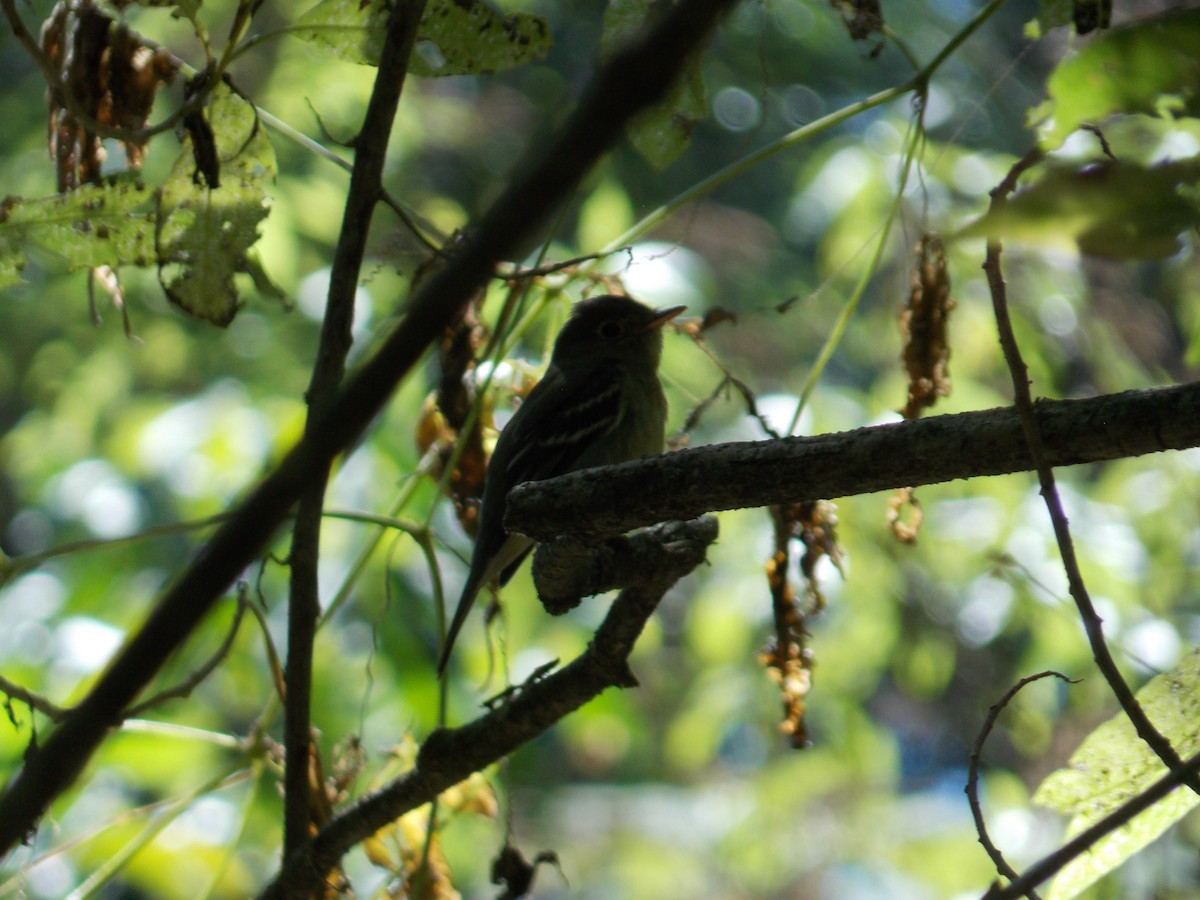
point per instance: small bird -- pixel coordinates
(599, 403)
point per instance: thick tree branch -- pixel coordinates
(568, 570)
(450, 755)
(600, 502)
(634, 78)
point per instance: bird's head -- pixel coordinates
(613, 328)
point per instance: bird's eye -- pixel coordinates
(611, 330)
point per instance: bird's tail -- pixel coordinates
(465, 602)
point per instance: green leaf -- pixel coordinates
(1051, 14)
(456, 37)
(105, 224)
(206, 232)
(1112, 209)
(1113, 764)
(663, 131)
(1151, 67)
(198, 236)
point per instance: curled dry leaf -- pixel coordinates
(862, 18)
(511, 869)
(204, 143)
(787, 304)
(324, 797)
(1088, 15)
(712, 318)
(924, 326)
(905, 532)
(111, 75)
(460, 344)
(789, 661)
(447, 413)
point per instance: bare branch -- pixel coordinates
(450, 755)
(1032, 430)
(16, 565)
(691, 482)
(972, 788)
(304, 606)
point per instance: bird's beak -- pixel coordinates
(662, 317)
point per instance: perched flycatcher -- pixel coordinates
(599, 403)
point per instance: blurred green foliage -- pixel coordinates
(682, 787)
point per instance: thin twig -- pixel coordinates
(972, 788)
(1023, 401)
(540, 271)
(728, 380)
(259, 611)
(15, 565)
(52, 711)
(1051, 864)
(189, 684)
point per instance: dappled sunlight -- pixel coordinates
(800, 713)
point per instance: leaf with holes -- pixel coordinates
(662, 132)
(108, 224)
(456, 37)
(204, 233)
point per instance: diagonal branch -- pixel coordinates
(633, 79)
(687, 483)
(1054, 862)
(1034, 439)
(450, 755)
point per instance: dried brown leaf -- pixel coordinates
(111, 75)
(905, 532)
(862, 18)
(924, 327)
(789, 660)
(511, 869)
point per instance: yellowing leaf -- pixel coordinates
(378, 853)
(1150, 67)
(1113, 764)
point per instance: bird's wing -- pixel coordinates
(558, 422)
(555, 425)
